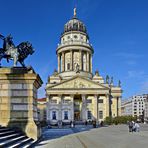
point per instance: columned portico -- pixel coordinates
(75, 92)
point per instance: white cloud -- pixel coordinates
(136, 74)
(144, 87)
(131, 62)
(128, 55)
(130, 59)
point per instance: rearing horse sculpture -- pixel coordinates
(18, 53)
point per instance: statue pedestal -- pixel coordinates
(18, 99)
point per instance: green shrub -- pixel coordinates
(119, 120)
(108, 120)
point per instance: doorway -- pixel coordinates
(77, 107)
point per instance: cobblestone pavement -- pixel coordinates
(104, 137)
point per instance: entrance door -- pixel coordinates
(77, 107)
(77, 116)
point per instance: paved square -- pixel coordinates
(105, 137)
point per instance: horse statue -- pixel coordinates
(16, 53)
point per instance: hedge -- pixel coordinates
(119, 120)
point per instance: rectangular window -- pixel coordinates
(66, 101)
(100, 114)
(89, 101)
(88, 114)
(100, 100)
(54, 115)
(68, 66)
(65, 115)
(54, 101)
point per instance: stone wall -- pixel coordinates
(18, 99)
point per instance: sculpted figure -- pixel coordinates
(119, 83)
(16, 53)
(107, 79)
(111, 82)
(77, 68)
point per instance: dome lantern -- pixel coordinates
(75, 24)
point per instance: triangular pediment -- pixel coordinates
(78, 83)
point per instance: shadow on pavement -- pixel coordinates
(54, 133)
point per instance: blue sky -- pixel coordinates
(118, 31)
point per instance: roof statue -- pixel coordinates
(111, 81)
(97, 73)
(119, 83)
(77, 68)
(75, 12)
(107, 79)
(55, 72)
(16, 53)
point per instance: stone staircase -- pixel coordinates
(10, 138)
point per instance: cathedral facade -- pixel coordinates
(73, 92)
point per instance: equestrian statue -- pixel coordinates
(16, 53)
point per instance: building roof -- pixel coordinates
(41, 99)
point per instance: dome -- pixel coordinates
(75, 25)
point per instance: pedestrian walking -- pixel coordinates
(130, 126)
(85, 122)
(137, 127)
(134, 127)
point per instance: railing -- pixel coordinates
(74, 42)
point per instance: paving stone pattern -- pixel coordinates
(104, 137)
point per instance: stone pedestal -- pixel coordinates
(18, 99)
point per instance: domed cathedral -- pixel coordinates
(74, 51)
(73, 92)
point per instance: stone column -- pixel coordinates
(119, 106)
(71, 62)
(48, 109)
(91, 63)
(107, 105)
(63, 61)
(84, 107)
(80, 59)
(59, 63)
(60, 107)
(96, 107)
(18, 93)
(72, 107)
(87, 61)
